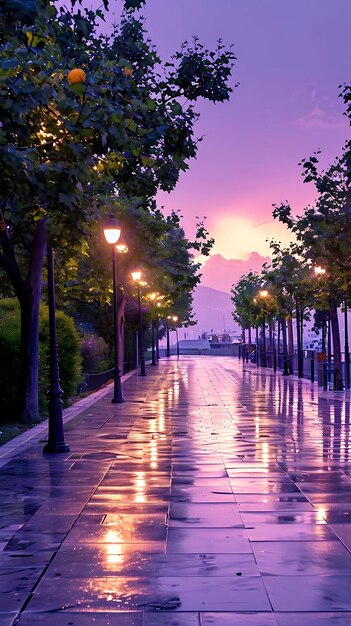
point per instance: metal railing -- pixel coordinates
(94, 381)
(313, 366)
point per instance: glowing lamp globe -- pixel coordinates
(136, 276)
(122, 247)
(319, 270)
(112, 230)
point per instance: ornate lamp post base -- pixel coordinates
(55, 447)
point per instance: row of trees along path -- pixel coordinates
(72, 152)
(322, 240)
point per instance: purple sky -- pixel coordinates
(291, 59)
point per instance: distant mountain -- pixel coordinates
(213, 311)
(213, 306)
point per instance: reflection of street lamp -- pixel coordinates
(136, 277)
(112, 232)
(56, 440)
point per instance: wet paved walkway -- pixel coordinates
(215, 495)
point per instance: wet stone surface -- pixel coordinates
(216, 495)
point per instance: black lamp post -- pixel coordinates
(152, 297)
(324, 331)
(157, 332)
(153, 350)
(175, 319)
(264, 294)
(176, 331)
(112, 232)
(298, 338)
(285, 350)
(56, 440)
(264, 360)
(347, 351)
(168, 353)
(321, 271)
(329, 339)
(136, 277)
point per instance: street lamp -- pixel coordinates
(112, 232)
(168, 351)
(121, 247)
(157, 325)
(264, 294)
(56, 440)
(175, 319)
(347, 350)
(152, 297)
(319, 270)
(136, 277)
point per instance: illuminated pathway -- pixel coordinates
(214, 496)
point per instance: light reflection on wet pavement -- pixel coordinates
(218, 494)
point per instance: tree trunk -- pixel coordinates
(250, 339)
(333, 311)
(29, 364)
(28, 293)
(30, 303)
(298, 338)
(290, 344)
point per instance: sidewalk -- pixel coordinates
(218, 494)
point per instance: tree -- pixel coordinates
(158, 247)
(290, 280)
(325, 236)
(124, 129)
(243, 296)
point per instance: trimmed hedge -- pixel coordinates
(69, 350)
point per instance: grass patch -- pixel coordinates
(9, 430)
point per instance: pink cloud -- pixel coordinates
(318, 118)
(220, 273)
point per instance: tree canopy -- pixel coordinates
(89, 123)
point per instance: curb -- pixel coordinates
(23, 441)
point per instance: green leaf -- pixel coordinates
(148, 161)
(133, 4)
(151, 104)
(67, 199)
(77, 88)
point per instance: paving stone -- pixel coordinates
(216, 495)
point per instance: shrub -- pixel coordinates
(96, 355)
(10, 333)
(69, 347)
